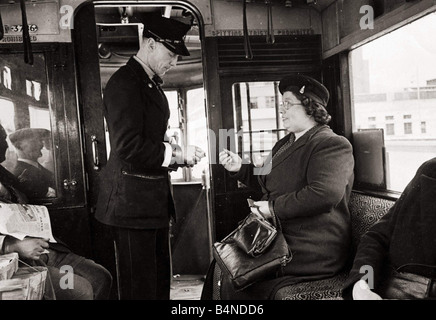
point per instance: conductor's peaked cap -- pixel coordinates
(306, 86)
(171, 33)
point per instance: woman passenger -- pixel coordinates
(307, 189)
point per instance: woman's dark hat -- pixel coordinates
(306, 86)
(171, 33)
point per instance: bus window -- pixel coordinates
(175, 126)
(188, 127)
(394, 89)
(26, 117)
(197, 127)
(7, 116)
(256, 119)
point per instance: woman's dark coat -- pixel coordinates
(309, 186)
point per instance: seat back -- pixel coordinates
(365, 211)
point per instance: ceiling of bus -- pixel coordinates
(116, 15)
(117, 26)
(117, 36)
(117, 32)
(323, 4)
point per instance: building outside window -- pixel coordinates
(270, 102)
(394, 78)
(257, 129)
(390, 129)
(423, 127)
(408, 128)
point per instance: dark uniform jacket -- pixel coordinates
(309, 186)
(405, 238)
(34, 181)
(135, 190)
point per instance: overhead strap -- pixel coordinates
(247, 45)
(28, 55)
(270, 33)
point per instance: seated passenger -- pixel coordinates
(307, 188)
(35, 180)
(396, 257)
(91, 280)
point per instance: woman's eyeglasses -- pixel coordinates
(288, 104)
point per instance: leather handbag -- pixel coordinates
(254, 234)
(255, 250)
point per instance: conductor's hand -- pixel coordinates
(28, 248)
(230, 161)
(361, 291)
(194, 155)
(191, 156)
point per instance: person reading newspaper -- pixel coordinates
(38, 247)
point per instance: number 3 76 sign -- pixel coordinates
(18, 28)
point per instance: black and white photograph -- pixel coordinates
(218, 158)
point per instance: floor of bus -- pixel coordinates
(186, 287)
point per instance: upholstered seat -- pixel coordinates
(365, 211)
(325, 289)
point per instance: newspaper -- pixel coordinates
(8, 265)
(23, 220)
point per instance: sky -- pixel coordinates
(404, 57)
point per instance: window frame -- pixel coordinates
(278, 130)
(185, 174)
(349, 102)
(66, 135)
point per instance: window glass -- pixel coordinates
(257, 122)
(394, 83)
(25, 116)
(175, 126)
(7, 77)
(174, 121)
(7, 116)
(197, 128)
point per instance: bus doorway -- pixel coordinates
(99, 54)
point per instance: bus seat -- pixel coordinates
(365, 211)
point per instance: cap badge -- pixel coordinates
(302, 89)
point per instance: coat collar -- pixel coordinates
(150, 88)
(296, 145)
(139, 71)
